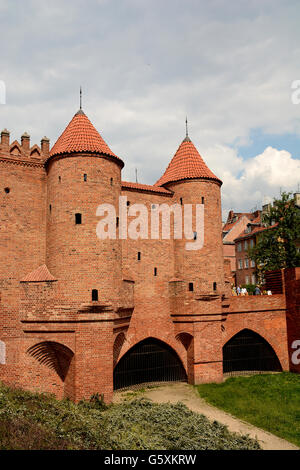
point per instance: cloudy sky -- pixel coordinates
(146, 64)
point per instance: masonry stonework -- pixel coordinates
(59, 338)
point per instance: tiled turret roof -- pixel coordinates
(81, 136)
(187, 163)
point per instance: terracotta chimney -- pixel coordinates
(25, 141)
(5, 138)
(45, 146)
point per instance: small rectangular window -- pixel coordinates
(155, 271)
(78, 219)
(139, 256)
(85, 177)
(94, 295)
(195, 235)
(191, 286)
(202, 200)
(215, 286)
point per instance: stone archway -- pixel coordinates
(150, 360)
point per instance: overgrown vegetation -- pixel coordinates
(34, 421)
(269, 401)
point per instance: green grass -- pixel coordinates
(35, 421)
(271, 401)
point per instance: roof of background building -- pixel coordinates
(254, 219)
(253, 232)
(187, 163)
(81, 136)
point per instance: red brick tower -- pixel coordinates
(82, 173)
(199, 274)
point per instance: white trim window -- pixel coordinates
(240, 264)
(246, 261)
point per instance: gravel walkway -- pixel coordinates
(187, 394)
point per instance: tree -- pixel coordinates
(276, 246)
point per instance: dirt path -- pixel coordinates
(187, 394)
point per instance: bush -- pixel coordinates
(36, 421)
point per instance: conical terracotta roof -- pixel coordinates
(187, 163)
(41, 274)
(81, 136)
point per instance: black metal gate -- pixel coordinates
(149, 361)
(249, 352)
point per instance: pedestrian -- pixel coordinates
(257, 291)
(238, 290)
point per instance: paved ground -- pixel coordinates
(187, 394)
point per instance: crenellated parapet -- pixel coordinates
(22, 153)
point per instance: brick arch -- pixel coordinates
(267, 356)
(185, 339)
(174, 367)
(261, 332)
(53, 355)
(169, 340)
(118, 344)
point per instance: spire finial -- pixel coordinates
(186, 127)
(80, 98)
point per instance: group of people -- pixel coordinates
(243, 291)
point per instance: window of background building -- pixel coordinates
(239, 246)
(240, 264)
(246, 263)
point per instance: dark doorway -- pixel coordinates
(150, 360)
(249, 352)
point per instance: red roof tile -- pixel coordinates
(40, 274)
(254, 231)
(187, 163)
(81, 136)
(145, 187)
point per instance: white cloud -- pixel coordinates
(247, 184)
(145, 65)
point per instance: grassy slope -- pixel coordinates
(271, 401)
(33, 421)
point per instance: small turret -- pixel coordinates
(83, 172)
(193, 183)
